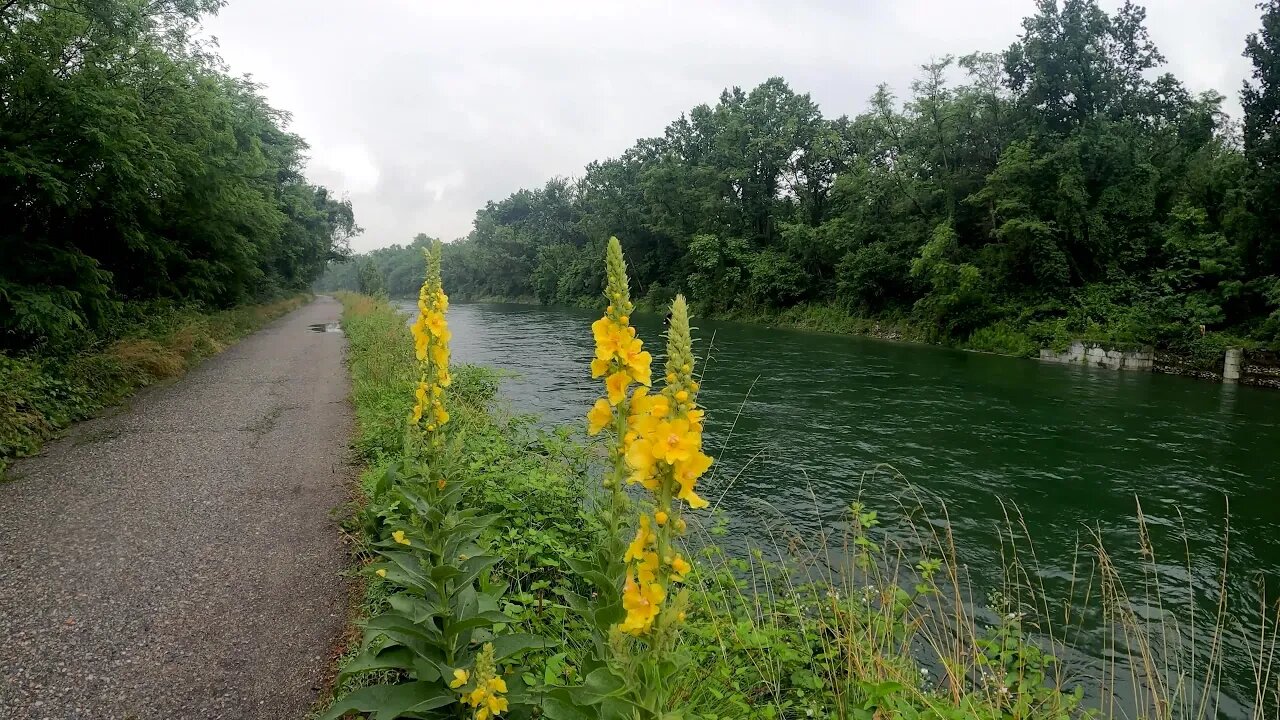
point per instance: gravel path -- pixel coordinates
(180, 559)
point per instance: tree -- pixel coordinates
(1260, 99)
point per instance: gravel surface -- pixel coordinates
(181, 559)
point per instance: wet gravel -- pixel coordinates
(180, 558)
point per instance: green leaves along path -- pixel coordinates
(132, 167)
(1063, 188)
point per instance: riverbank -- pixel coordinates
(41, 395)
(791, 628)
(1193, 356)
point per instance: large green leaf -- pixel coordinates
(559, 705)
(507, 645)
(415, 609)
(396, 657)
(387, 702)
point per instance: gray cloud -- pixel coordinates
(422, 111)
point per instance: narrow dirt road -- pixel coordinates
(181, 559)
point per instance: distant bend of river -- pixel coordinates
(1073, 449)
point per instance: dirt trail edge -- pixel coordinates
(181, 559)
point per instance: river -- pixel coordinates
(804, 423)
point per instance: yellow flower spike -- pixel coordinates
(431, 345)
(460, 678)
(489, 686)
(399, 537)
(616, 279)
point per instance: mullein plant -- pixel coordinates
(431, 344)
(439, 633)
(621, 360)
(655, 441)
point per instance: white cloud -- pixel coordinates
(423, 110)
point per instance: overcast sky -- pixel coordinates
(421, 110)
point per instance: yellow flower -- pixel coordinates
(639, 457)
(636, 361)
(442, 415)
(644, 537)
(601, 329)
(440, 355)
(674, 441)
(680, 567)
(399, 537)
(438, 327)
(687, 474)
(642, 603)
(440, 484)
(660, 517)
(497, 705)
(695, 501)
(599, 366)
(600, 416)
(617, 384)
(497, 685)
(380, 572)
(460, 678)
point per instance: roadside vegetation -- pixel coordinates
(1062, 188)
(41, 395)
(520, 572)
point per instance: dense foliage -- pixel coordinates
(133, 167)
(1061, 188)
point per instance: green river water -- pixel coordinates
(804, 423)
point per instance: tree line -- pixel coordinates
(133, 167)
(1062, 187)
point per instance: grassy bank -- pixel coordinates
(41, 395)
(864, 622)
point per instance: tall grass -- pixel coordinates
(891, 625)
